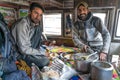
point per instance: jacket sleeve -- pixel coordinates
(75, 37)
(105, 35)
(23, 40)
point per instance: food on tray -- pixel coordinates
(64, 49)
(68, 56)
(53, 55)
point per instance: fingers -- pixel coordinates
(47, 54)
(84, 48)
(103, 56)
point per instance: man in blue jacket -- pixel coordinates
(90, 32)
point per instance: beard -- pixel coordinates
(82, 16)
(36, 21)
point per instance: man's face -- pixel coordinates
(82, 12)
(36, 15)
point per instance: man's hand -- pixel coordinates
(49, 43)
(52, 43)
(47, 54)
(84, 48)
(103, 56)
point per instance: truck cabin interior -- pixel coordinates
(65, 65)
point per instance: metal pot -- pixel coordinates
(83, 61)
(83, 66)
(101, 70)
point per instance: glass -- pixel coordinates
(102, 16)
(118, 25)
(52, 24)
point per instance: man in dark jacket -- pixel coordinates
(90, 32)
(27, 33)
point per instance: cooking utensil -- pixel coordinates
(83, 61)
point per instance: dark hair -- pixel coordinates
(33, 5)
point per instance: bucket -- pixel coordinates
(101, 70)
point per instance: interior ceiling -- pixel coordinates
(55, 3)
(45, 3)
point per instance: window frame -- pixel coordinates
(115, 37)
(110, 12)
(55, 11)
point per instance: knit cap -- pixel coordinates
(83, 3)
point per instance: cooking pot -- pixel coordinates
(101, 70)
(83, 61)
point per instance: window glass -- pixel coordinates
(101, 16)
(118, 26)
(52, 24)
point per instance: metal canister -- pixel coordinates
(101, 70)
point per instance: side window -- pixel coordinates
(116, 36)
(118, 26)
(52, 23)
(102, 16)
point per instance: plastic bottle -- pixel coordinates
(36, 74)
